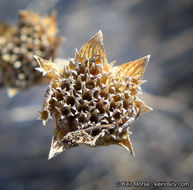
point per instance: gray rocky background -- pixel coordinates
(162, 139)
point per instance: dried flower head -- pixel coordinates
(93, 102)
(32, 35)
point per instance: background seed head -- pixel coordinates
(32, 35)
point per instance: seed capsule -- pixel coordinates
(93, 103)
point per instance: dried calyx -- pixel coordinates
(32, 35)
(93, 102)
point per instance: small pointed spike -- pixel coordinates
(134, 68)
(76, 55)
(143, 108)
(126, 143)
(93, 48)
(55, 149)
(50, 69)
(112, 64)
(44, 64)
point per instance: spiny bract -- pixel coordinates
(32, 35)
(93, 102)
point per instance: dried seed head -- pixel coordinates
(93, 102)
(32, 35)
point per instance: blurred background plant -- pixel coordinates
(31, 35)
(162, 139)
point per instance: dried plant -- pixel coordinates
(93, 102)
(32, 35)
